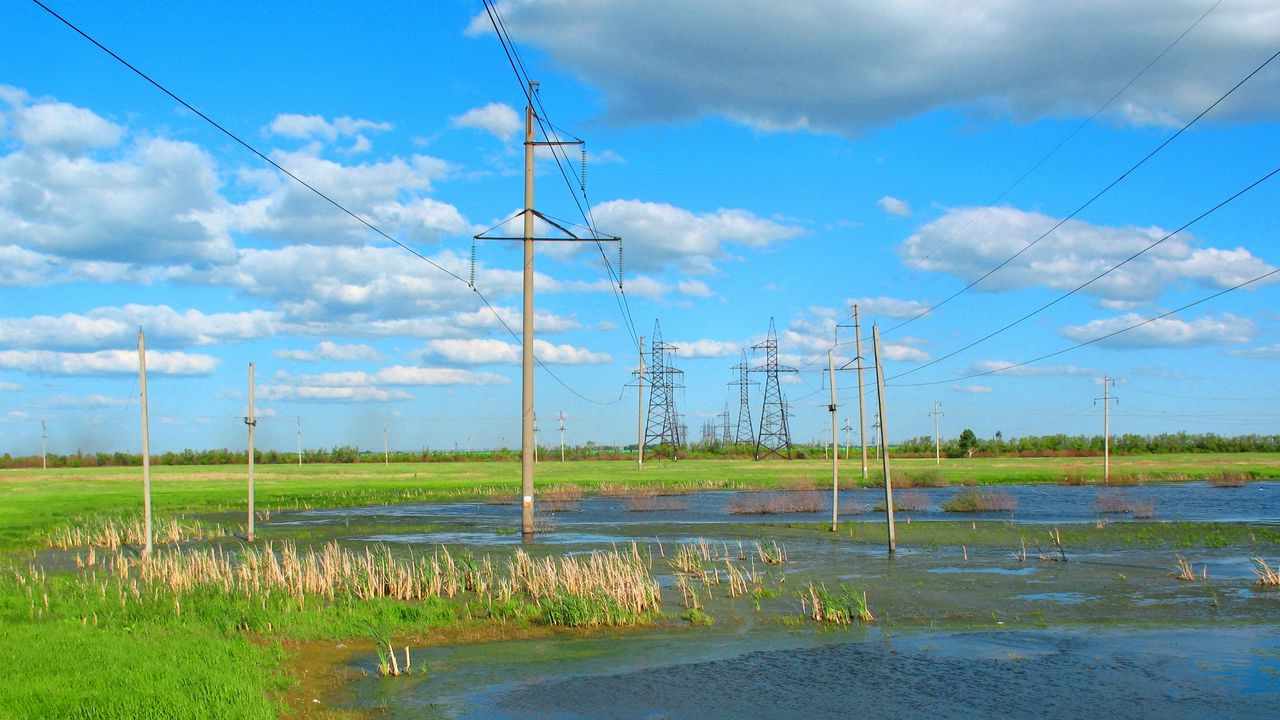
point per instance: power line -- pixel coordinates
(544, 123)
(1100, 338)
(1072, 134)
(1095, 278)
(308, 186)
(1088, 202)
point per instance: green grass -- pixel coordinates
(37, 501)
(63, 669)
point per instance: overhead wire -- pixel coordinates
(1095, 278)
(1097, 339)
(339, 206)
(1075, 131)
(1091, 200)
(554, 143)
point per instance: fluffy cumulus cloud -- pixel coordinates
(1006, 367)
(105, 362)
(144, 202)
(329, 350)
(485, 350)
(658, 235)
(707, 348)
(894, 206)
(308, 127)
(360, 386)
(873, 307)
(499, 119)
(391, 194)
(108, 326)
(969, 242)
(1168, 332)
(849, 66)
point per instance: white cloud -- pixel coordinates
(658, 235)
(63, 127)
(706, 348)
(304, 393)
(105, 362)
(969, 242)
(886, 307)
(1005, 367)
(1265, 352)
(91, 400)
(971, 389)
(1166, 332)
(9, 387)
(306, 127)
(481, 350)
(328, 350)
(390, 194)
(903, 353)
(849, 66)
(148, 206)
(102, 327)
(693, 288)
(499, 119)
(894, 206)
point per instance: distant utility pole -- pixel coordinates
(1106, 399)
(561, 436)
(299, 419)
(835, 446)
(640, 409)
(386, 453)
(862, 408)
(847, 429)
(44, 443)
(535, 437)
(252, 422)
(146, 444)
(884, 439)
(527, 239)
(937, 437)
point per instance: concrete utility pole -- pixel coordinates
(535, 437)
(44, 445)
(862, 410)
(386, 453)
(1106, 399)
(835, 447)
(884, 439)
(299, 418)
(937, 437)
(252, 422)
(640, 410)
(146, 444)
(847, 429)
(526, 359)
(561, 436)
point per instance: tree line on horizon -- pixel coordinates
(967, 444)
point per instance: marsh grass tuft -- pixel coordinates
(980, 501)
(840, 607)
(777, 503)
(113, 533)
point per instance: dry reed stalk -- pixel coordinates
(774, 555)
(650, 503)
(1266, 576)
(1183, 571)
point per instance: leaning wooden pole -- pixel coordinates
(862, 409)
(146, 445)
(884, 439)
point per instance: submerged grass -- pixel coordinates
(841, 606)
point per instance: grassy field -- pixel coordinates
(37, 501)
(211, 652)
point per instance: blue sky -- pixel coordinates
(760, 160)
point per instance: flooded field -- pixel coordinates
(989, 615)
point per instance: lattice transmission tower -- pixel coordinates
(775, 432)
(663, 426)
(745, 433)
